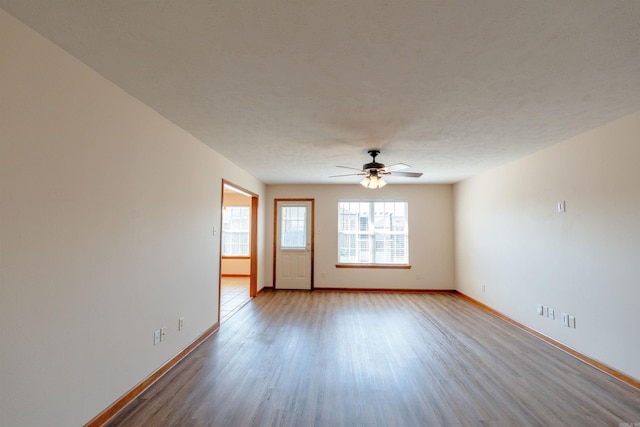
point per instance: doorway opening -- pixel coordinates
(238, 249)
(293, 244)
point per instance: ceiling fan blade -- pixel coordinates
(349, 167)
(407, 174)
(349, 174)
(375, 169)
(397, 167)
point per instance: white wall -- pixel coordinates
(430, 235)
(585, 262)
(107, 212)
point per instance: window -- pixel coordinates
(294, 227)
(373, 232)
(235, 231)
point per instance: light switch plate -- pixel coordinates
(561, 207)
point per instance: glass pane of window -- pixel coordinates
(235, 230)
(372, 232)
(293, 231)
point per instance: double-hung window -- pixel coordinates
(235, 231)
(373, 232)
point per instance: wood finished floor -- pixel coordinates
(292, 358)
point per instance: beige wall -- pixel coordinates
(430, 235)
(236, 267)
(107, 212)
(585, 262)
(236, 199)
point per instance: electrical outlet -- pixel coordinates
(484, 288)
(545, 311)
(552, 313)
(572, 321)
(565, 319)
(156, 337)
(181, 323)
(539, 310)
(163, 333)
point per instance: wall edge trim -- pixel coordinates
(384, 290)
(112, 410)
(572, 352)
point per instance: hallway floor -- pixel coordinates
(234, 293)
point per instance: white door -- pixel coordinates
(294, 245)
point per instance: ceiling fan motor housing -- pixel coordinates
(373, 165)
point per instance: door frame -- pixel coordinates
(253, 243)
(275, 235)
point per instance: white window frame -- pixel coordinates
(376, 237)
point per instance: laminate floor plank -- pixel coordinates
(291, 358)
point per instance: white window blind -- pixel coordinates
(373, 232)
(235, 231)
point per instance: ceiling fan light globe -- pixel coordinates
(373, 182)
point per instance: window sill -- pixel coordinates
(387, 266)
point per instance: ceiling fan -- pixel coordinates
(373, 172)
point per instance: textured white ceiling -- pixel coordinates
(288, 89)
